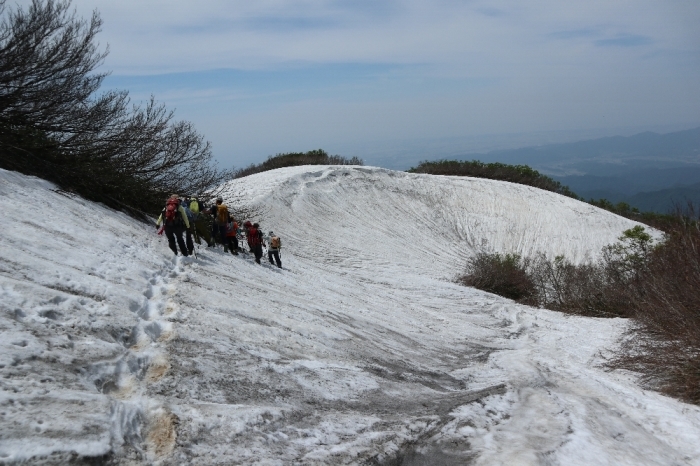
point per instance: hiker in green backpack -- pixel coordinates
(200, 226)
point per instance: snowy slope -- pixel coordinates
(361, 351)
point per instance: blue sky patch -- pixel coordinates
(348, 82)
(624, 40)
(575, 34)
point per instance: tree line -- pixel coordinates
(526, 175)
(521, 174)
(56, 122)
(294, 159)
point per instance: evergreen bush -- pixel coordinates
(294, 159)
(521, 174)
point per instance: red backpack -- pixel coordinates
(172, 213)
(253, 236)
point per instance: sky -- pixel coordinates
(405, 78)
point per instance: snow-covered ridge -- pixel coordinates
(442, 219)
(358, 352)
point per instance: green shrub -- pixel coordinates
(521, 174)
(664, 345)
(656, 285)
(294, 159)
(505, 275)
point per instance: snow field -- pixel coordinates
(360, 351)
(79, 333)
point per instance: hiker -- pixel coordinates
(199, 227)
(174, 220)
(247, 225)
(255, 240)
(188, 232)
(273, 249)
(220, 214)
(232, 240)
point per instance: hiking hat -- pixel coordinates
(256, 225)
(218, 199)
(271, 233)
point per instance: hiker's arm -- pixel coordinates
(184, 217)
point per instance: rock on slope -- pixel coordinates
(361, 351)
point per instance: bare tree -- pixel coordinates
(55, 124)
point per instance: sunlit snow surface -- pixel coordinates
(360, 351)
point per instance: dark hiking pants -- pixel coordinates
(257, 249)
(276, 254)
(176, 231)
(220, 233)
(188, 241)
(232, 243)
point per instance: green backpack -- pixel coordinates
(194, 206)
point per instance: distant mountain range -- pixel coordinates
(649, 171)
(608, 156)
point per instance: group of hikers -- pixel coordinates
(213, 224)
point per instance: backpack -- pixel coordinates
(172, 213)
(194, 206)
(275, 242)
(221, 214)
(188, 212)
(231, 228)
(253, 236)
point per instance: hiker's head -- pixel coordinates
(174, 196)
(271, 233)
(219, 200)
(247, 223)
(256, 225)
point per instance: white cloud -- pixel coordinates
(551, 65)
(158, 35)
